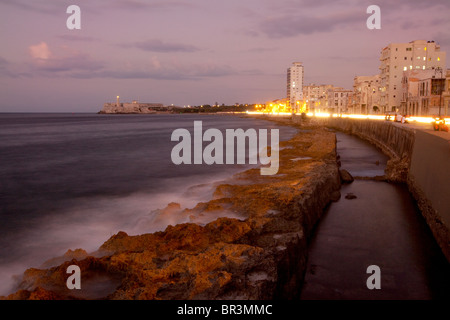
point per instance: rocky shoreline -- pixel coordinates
(259, 256)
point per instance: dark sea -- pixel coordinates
(71, 181)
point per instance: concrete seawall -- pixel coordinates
(420, 158)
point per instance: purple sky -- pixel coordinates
(194, 52)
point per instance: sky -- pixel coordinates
(195, 52)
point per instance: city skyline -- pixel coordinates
(194, 52)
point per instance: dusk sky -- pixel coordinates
(195, 52)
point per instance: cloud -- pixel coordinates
(139, 5)
(40, 6)
(40, 51)
(156, 71)
(262, 49)
(157, 45)
(44, 62)
(67, 62)
(296, 24)
(74, 37)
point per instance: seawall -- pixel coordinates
(420, 158)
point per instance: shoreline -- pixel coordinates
(261, 256)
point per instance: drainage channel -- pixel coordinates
(379, 225)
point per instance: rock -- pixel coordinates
(350, 196)
(397, 169)
(335, 196)
(346, 177)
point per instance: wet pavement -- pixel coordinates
(382, 226)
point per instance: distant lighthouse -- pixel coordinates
(118, 102)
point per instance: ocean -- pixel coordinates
(71, 181)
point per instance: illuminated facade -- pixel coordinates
(294, 85)
(316, 97)
(399, 57)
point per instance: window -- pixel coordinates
(406, 58)
(405, 68)
(408, 49)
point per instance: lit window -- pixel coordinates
(424, 58)
(438, 59)
(418, 58)
(410, 67)
(405, 68)
(425, 49)
(423, 67)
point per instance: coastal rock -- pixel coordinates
(255, 256)
(346, 177)
(350, 196)
(335, 196)
(77, 254)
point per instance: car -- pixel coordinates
(400, 118)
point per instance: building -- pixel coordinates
(423, 92)
(366, 94)
(294, 86)
(399, 57)
(316, 97)
(446, 95)
(133, 107)
(277, 105)
(339, 100)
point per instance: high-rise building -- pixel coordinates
(295, 85)
(399, 57)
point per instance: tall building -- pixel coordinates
(294, 86)
(399, 57)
